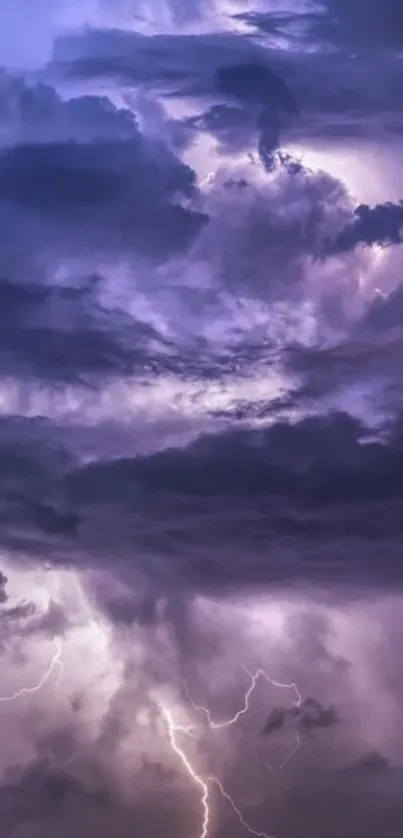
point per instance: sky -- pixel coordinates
(201, 419)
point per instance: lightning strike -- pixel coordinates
(56, 662)
(287, 759)
(260, 674)
(293, 752)
(189, 730)
(239, 815)
(296, 703)
(203, 783)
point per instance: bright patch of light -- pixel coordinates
(352, 166)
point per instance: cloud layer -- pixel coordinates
(201, 448)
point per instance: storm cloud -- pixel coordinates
(201, 435)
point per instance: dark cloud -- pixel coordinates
(297, 485)
(355, 25)
(371, 764)
(254, 84)
(317, 497)
(301, 462)
(30, 465)
(267, 109)
(82, 179)
(64, 333)
(49, 519)
(3, 588)
(56, 177)
(338, 104)
(53, 177)
(232, 125)
(343, 92)
(34, 113)
(361, 24)
(382, 225)
(172, 63)
(308, 716)
(124, 605)
(313, 716)
(102, 196)
(276, 720)
(294, 23)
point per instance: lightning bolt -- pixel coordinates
(203, 783)
(260, 674)
(56, 662)
(173, 729)
(239, 815)
(287, 759)
(189, 730)
(296, 703)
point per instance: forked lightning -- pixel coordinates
(56, 662)
(189, 730)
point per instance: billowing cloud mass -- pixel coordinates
(201, 434)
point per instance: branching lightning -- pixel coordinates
(56, 663)
(175, 731)
(260, 674)
(287, 759)
(239, 815)
(204, 783)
